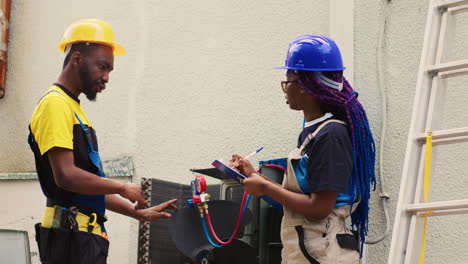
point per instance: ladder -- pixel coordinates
(412, 208)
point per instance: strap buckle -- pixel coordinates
(92, 222)
(70, 218)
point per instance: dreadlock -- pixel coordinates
(345, 106)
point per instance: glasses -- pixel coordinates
(284, 84)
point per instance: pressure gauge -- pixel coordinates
(200, 183)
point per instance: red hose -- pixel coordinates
(239, 219)
(275, 166)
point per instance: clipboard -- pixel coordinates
(236, 175)
(227, 170)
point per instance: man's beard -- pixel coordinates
(87, 83)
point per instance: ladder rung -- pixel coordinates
(444, 212)
(458, 9)
(437, 206)
(448, 66)
(451, 3)
(446, 135)
(454, 73)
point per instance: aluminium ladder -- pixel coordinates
(413, 208)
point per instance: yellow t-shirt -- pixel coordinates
(53, 120)
(53, 124)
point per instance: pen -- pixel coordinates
(236, 163)
(252, 154)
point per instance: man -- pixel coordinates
(65, 148)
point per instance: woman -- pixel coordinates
(329, 174)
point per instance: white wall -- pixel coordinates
(197, 84)
(401, 52)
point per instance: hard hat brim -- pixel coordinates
(116, 48)
(309, 69)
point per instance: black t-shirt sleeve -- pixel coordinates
(330, 159)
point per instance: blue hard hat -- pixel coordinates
(313, 53)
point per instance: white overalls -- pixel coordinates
(319, 237)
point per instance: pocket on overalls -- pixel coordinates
(339, 242)
(60, 245)
(347, 249)
(53, 244)
(312, 244)
(88, 248)
(347, 241)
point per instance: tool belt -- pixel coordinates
(81, 208)
(68, 236)
(59, 214)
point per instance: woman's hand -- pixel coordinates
(255, 184)
(241, 165)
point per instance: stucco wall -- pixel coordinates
(401, 52)
(197, 84)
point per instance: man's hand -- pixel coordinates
(156, 212)
(133, 193)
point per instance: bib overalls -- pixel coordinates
(325, 241)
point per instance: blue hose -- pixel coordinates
(208, 235)
(205, 230)
(245, 205)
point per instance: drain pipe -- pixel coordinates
(5, 27)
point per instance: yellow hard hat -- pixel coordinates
(90, 30)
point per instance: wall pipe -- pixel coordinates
(5, 27)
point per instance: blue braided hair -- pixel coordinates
(345, 106)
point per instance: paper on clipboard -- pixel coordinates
(227, 170)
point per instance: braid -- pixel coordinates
(345, 106)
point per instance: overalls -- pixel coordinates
(88, 220)
(70, 231)
(325, 241)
